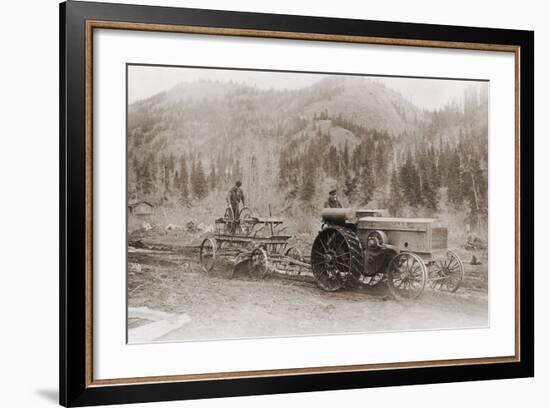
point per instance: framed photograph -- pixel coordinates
(256, 203)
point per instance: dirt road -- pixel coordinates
(221, 304)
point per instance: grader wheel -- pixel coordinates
(294, 253)
(245, 220)
(208, 254)
(259, 263)
(229, 221)
(336, 258)
(407, 275)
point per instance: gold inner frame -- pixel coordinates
(97, 24)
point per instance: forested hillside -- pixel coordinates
(188, 146)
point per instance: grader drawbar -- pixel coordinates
(353, 248)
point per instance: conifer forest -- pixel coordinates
(189, 144)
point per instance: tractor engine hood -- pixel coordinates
(338, 215)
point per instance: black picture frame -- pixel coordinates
(75, 387)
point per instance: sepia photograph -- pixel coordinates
(275, 203)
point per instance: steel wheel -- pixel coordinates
(245, 220)
(258, 262)
(336, 257)
(245, 213)
(447, 274)
(208, 254)
(294, 253)
(229, 221)
(407, 275)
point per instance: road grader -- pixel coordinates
(358, 246)
(260, 242)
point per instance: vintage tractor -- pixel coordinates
(365, 247)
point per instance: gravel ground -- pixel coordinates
(224, 304)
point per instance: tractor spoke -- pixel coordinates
(342, 241)
(333, 257)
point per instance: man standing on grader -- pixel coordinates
(234, 197)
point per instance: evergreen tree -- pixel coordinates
(193, 175)
(381, 160)
(200, 186)
(345, 156)
(433, 169)
(282, 180)
(134, 167)
(294, 184)
(406, 180)
(367, 181)
(183, 181)
(166, 177)
(308, 182)
(221, 166)
(334, 168)
(396, 193)
(429, 193)
(416, 197)
(473, 187)
(455, 190)
(162, 171)
(146, 176)
(350, 185)
(212, 177)
(411, 186)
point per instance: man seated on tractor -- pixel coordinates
(332, 201)
(234, 197)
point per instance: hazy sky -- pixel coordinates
(145, 81)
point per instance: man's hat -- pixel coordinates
(332, 192)
(238, 183)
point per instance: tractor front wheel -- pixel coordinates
(407, 275)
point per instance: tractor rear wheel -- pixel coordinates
(336, 258)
